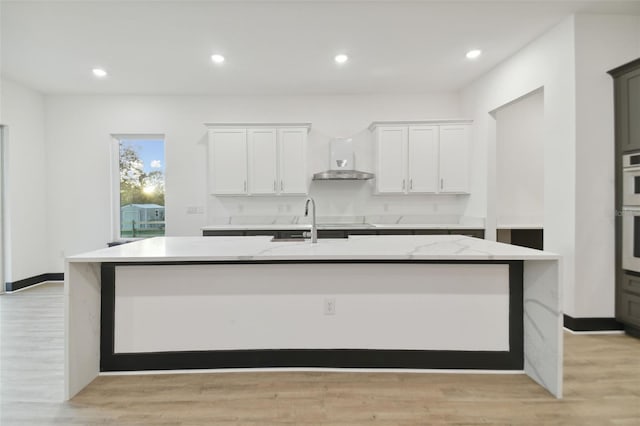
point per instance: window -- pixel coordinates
(139, 170)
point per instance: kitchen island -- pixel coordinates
(368, 302)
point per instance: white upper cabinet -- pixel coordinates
(258, 160)
(228, 161)
(292, 164)
(263, 157)
(454, 159)
(422, 157)
(391, 159)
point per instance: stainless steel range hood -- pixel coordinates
(342, 163)
(343, 175)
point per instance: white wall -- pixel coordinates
(602, 43)
(25, 197)
(569, 62)
(520, 162)
(78, 138)
(548, 62)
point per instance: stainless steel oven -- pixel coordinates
(631, 180)
(631, 212)
(631, 238)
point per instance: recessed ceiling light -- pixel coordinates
(99, 72)
(341, 58)
(217, 59)
(473, 54)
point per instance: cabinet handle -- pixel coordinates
(403, 184)
(274, 186)
(441, 183)
(281, 186)
(245, 186)
(410, 183)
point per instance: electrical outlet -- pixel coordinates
(195, 210)
(330, 306)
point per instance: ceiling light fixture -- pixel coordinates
(341, 58)
(217, 59)
(99, 72)
(473, 54)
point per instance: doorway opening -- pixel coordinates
(519, 170)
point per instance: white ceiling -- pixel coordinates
(286, 47)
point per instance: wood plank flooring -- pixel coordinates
(602, 387)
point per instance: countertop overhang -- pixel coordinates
(261, 248)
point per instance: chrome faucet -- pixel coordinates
(314, 226)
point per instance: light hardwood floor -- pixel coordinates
(602, 386)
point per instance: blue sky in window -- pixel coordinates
(151, 152)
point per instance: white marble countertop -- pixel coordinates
(392, 247)
(338, 226)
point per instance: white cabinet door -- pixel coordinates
(423, 159)
(454, 159)
(263, 156)
(228, 161)
(391, 176)
(292, 161)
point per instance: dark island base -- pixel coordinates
(315, 358)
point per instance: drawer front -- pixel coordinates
(630, 283)
(330, 233)
(479, 233)
(289, 234)
(629, 309)
(223, 233)
(260, 233)
(395, 232)
(362, 232)
(431, 232)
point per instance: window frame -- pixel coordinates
(115, 178)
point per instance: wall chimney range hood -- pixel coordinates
(342, 163)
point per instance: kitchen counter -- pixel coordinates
(391, 247)
(342, 229)
(405, 303)
(337, 226)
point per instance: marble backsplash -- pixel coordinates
(373, 219)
